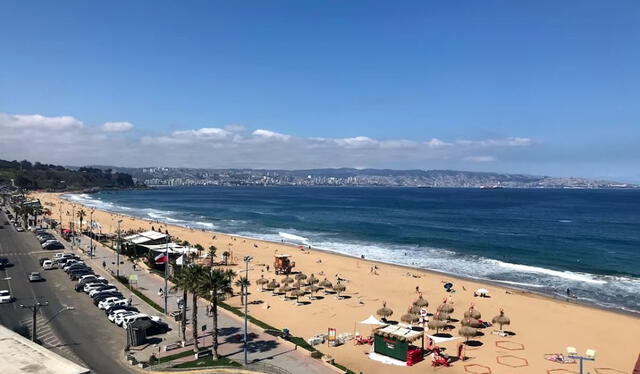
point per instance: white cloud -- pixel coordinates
(117, 126)
(480, 158)
(271, 135)
(68, 141)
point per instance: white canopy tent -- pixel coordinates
(145, 237)
(372, 321)
(173, 248)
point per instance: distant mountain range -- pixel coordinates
(354, 177)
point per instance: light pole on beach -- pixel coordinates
(166, 271)
(246, 259)
(91, 233)
(590, 355)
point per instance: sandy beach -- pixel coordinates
(541, 325)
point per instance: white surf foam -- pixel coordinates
(580, 277)
(293, 237)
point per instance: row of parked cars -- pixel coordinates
(14, 221)
(104, 295)
(47, 240)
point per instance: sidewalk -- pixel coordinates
(261, 347)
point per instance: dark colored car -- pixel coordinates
(75, 267)
(4, 262)
(157, 327)
(43, 238)
(53, 246)
(74, 276)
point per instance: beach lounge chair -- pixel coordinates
(572, 351)
(500, 333)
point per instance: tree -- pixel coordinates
(225, 257)
(81, 214)
(212, 253)
(244, 284)
(216, 283)
(199, 248)
(181, 281)
(193, 275)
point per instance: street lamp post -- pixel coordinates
(246, 259)
(590, 355)
(34, 308)
(166, 272)
(118, 251)
(91, 234)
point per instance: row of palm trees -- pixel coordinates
(213, 284)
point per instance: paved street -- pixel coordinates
(83, 334)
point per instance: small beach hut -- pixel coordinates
(384, 312)
(501, 319)
(396, 342)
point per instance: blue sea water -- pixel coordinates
(540, 239)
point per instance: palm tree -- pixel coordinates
(212, 253)
(216, 282)
(181, 281)
(225, 257)
(192, 275)
(199, 248)
(81, 214)
(244, 284)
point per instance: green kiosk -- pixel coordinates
(396, 342)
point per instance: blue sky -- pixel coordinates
(545, 87)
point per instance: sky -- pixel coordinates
(538, 87)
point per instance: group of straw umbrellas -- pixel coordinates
(470, 323)
(300, 285)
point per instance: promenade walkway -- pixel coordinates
(262, 347)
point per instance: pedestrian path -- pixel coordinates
(261, 346)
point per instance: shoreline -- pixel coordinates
(542, 324)
(499, 284)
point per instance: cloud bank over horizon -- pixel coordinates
(69, 141)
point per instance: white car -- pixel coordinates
(5, 296)
(92, 285)
(120, 319)
(110, 301)
(95, 291)
(118, 315)
(48, 265)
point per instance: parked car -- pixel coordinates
(19, 229)
(103, 288)
(139, 317)
(118, 319)
(34, 276)
(43, 259)
(119, 308)
(60, 255)
(4, 262)
(53, 246)
(5, 296)
(104, 302)
(76, 274)
(157, 327)
(48, 265)
(91, 286)
(111, 301)
(103, 295)
(45, 237)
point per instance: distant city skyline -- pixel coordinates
(544, 87)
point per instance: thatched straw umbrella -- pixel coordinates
(501, 319)
(287, 280)
(445, 307)
(414, 309)
(442, 316)
(339, 287)
(312, 279)
(420, 302)
(273, 285)
(472, 313)
(410, 318)
(284, 289)
(384, 312)
(436, 324)
(326, 284)
(300, 277)
(262, 281)
(297, 293)
(297, 285)
(467, 332)
(471, 322)
(312, 290)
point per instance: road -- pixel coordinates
(81, 334)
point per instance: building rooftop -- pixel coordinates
(21, 355)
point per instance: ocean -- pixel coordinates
(543, 240)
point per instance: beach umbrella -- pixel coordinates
(445, 307)
(471, 322)
(312, 289)
(312, 279)
(448, 286)
(421, 302)
(384, 312)
(410, 318)
(300, 276)
(284, 289)
(287, 280)
(262, 281)
(467, 332)
(414, 309)
(472, 313)
(339, 287)
(436, 324)
(326, 283)
(297, 293)
(501, 319)
(273, 285)
(442, 316)
(297, 285)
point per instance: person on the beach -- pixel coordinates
(104, 264)
(160, 292)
